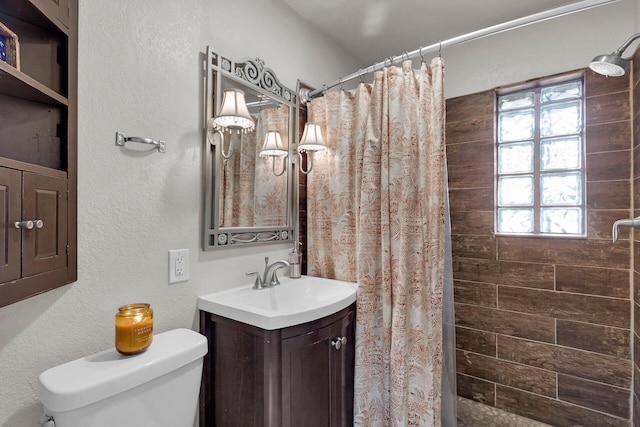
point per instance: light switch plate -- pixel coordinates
(178, 265)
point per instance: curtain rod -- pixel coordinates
(306, 95)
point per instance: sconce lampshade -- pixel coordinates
(312, 138)
(273, 145)
(234, 113)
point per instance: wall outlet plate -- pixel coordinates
(178, 265)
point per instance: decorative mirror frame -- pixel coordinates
(251, 73)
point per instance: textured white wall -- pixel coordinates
(140, 74)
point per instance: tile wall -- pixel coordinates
(636, 242)
(543, 325)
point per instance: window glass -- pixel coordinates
(540, 176)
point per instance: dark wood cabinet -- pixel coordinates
(38, 148)
(296, 376)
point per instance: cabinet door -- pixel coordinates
(11, 198)
(317, 376)
(343, 361)
(45, 198)
(306, 379)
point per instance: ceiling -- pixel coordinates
(372, 30)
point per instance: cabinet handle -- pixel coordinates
(339, 342)
(29, 225)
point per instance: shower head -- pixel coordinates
(610, 65)
(613, 64)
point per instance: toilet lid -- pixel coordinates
(92, 378)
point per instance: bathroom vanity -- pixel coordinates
(300, 375)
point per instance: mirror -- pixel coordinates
(249, 198)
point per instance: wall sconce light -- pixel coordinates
(311, 141)
(273, 147)
(234, 116)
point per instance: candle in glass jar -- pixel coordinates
(134, 328)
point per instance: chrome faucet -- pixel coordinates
(269, 276)
(631, 222)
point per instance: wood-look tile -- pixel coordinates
(608, 137)
(551, 411)
(465, 169)
(468, 246)
(475, 293)
(505, 322)
(597, 84)
(471, 153)
(636, 380)
(610, 166)
(503, 372)
(476, 341)
(473, 129)
(611, 107)
(636, 159)
(606, 282)
(474, 105)
(583, 364)
(525, 274)
(475, 389)
(595, 338)
(470, 177)
(600, 397)
(600, 222)
(472, 222)
(562, 305)
(636, 410)
(609, 194)
(579, 252)
(469, 199)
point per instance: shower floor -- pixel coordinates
(475, 414)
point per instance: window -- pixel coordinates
(540, 151)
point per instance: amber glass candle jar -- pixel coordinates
(134, 328)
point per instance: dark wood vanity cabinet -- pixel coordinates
(38, 147)
(296, 376)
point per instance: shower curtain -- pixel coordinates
(378, 215)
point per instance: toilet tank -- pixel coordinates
(157, 388)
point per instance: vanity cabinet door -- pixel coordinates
(317, 376)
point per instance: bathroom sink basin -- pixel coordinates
(293, 302)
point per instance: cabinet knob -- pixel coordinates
(27, 225)
(339, 342)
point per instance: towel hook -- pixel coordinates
(121, 140)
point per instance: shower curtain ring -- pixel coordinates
(340, 84)
(360, 75)
(420, 53)
(440, 50)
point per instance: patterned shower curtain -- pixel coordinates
(377, 209)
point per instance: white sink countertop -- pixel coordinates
(293, 302)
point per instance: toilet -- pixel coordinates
(156, 388)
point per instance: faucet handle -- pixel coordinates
(258, 284)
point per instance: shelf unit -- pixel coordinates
(38, 149)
